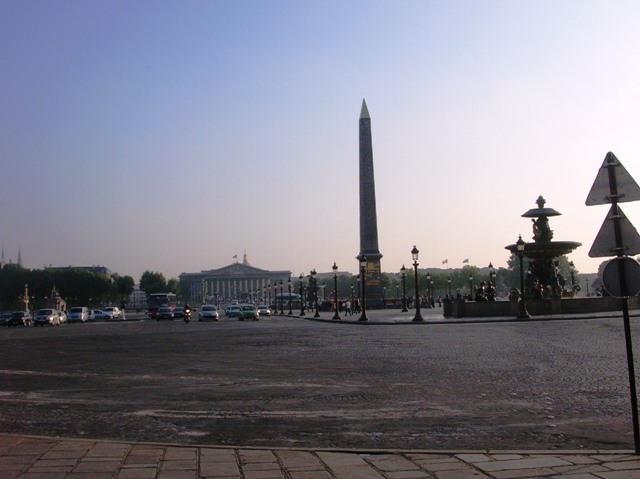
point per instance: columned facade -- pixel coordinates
(237, 281)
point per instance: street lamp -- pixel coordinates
(269, 290)
(281, 298)
(363, 265)
(429, 292)
(403, 274)
(414, 255)
(335, 285)
(301, 279)
(523, 307)
(289, 287)
(449, 283)
(491, 274)
(470, 287)
(315, 291)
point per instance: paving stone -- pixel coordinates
(182, 465)
(270, 474)
(341, 459)
(137, 473)
(522, 473)
(177, 453)
(356, 472)
(479, 457)
(526, 463)
(219, 469)
(391, 462)
(299, 460)
(97, 466)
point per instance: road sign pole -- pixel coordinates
(613, 188)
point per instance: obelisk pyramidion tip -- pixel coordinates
(364, 112)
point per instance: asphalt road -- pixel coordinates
(300, 383)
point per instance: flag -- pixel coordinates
(466, 260)
(235, 256)
(445, 261)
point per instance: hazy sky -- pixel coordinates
(172, 135)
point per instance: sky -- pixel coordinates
(171, 136)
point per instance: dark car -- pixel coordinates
(20, 318)
(164, 313)
(4, 319)
(178, 312)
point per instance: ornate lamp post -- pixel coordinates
(301, 279)
(449, 283)
(414, 255)
(281, 298)
(403, 274)
(429, 292)
(25, 298)
(335, 285)
(289, 287)
(491, 274)
(588, 293)
(363, 266)
(315, 292)
(269, 290)
(523, 307)
(471, 287)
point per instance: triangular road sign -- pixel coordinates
(628, 189)
(605, 243)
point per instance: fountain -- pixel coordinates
(543, 279)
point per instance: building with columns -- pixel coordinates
(237, 281)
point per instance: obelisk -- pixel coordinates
(368, 217)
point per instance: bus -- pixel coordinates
(157, 300)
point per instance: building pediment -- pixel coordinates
(236, 269)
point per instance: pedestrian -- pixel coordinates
(347, 308)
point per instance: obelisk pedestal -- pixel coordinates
(368, 217)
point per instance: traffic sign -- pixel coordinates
(605, 243)
(611, 277)
(627, 188)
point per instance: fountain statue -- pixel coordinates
(543, 279)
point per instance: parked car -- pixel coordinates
(20, 318)
(98, 314)
(111, 313)
(178, 312)
(78, 314)
(4, 318)
(164, 313)
(232, 311)
(264, 310)
(248, 311)
(46, 316)
(208, 312)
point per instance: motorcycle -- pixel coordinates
(187, 315)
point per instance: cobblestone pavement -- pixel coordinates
(284, 382)
(24, 457)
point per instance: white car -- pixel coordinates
(46, 316)
(111, 313)
(232, 311)
(208, 312)
(78, 314)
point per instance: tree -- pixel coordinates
(153, 282)
(124, 286)
(173, 286)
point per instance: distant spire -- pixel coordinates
(364, 112)
(245, 261)
(2, 258)
(19, 257)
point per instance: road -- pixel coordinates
(299, 383)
